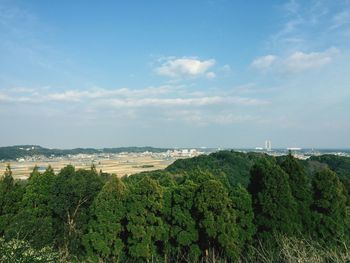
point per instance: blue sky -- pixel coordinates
(175, 73)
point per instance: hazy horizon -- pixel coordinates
(176, 147)
(227, 74)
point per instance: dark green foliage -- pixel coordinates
(145, 228)
(181, 225)
(34, 220)
(300, 186)
(10, 200)
(197, 210)
(242, 204)
(71, 196)
(104, 238)
(216, 219)
(163, 177)
(330, 217)
(234, 165)
(274, 206)
(338, 164)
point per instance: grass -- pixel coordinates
(295, 250)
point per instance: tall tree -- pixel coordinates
(273, 203)
(242, 204)
(72, 193)
(145, 228)
(10, 200)
(182, 239)
(216, 220)
(34, 221)
(331, 220)
(300, 186)
(104, 238)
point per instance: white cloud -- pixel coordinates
(296, 62)
(164, 103)
(66, 96)
(228, 118)
(42, 95)
(191, 102)
(78, 95)
(300, 61)
(163, 96)
(198, 117)
(263, 63)
(184, 67)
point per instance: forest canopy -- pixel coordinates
(226, 206)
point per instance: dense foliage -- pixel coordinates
(274, 207)
(235, 165)
(225, 206)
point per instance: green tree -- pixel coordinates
(234, 165)
(274, 207)
(216, 220)
(72, 193)
(103, 241)
(242, 204)
(145, 229)
(182, 238)
(34, 221)
(331, 220)
(10, 200)
(300, 186)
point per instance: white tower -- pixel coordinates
(268, 145)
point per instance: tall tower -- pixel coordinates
(268, 145)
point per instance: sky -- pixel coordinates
(184, 73)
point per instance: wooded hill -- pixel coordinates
(21, 151)
(223, 207)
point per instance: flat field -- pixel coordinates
(119, 164)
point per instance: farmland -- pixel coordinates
(119, 164)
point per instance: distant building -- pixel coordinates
(268, 145)
(184, 152)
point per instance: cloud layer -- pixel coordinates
(296, 62)
(124, 97)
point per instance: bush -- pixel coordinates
(19, 251)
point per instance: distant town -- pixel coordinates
(132, 160)
(121, 163)
(298, 152)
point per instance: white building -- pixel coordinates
(268, 145)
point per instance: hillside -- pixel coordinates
(235, 165)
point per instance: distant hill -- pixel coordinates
(21, 151)
(235, 165)
(339, 164)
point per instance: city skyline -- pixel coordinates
(175, 74)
